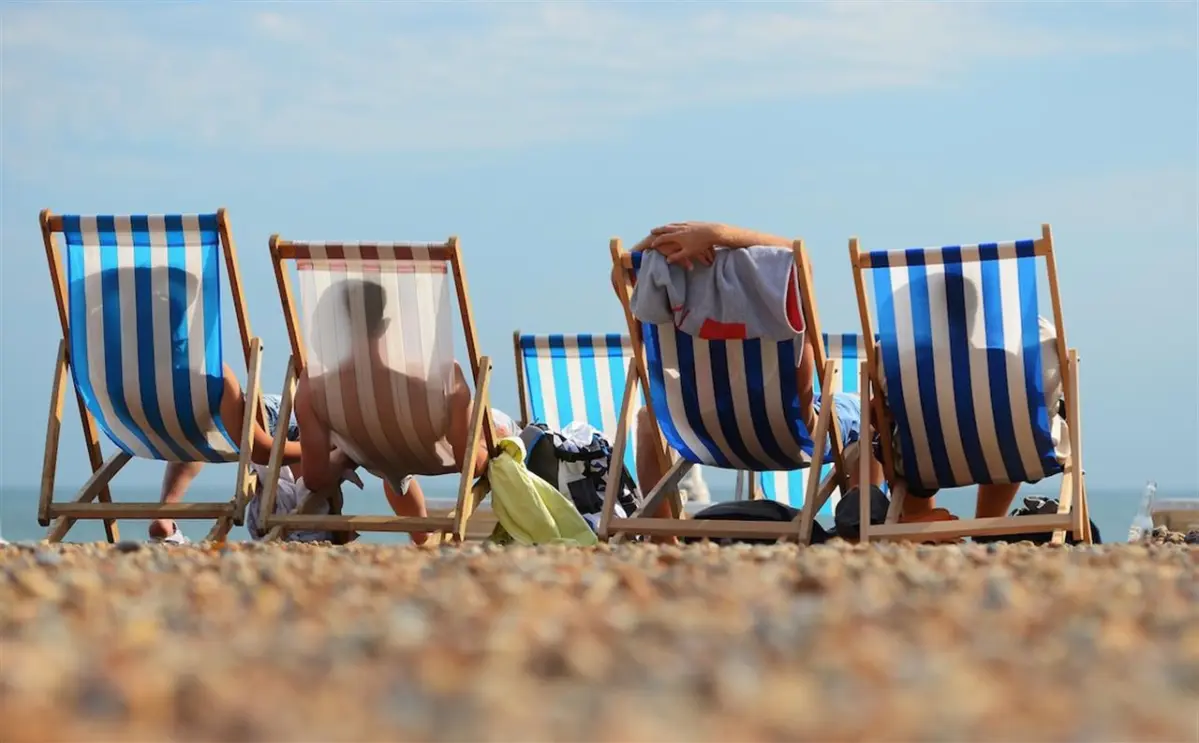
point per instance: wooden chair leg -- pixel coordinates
(92, 488)
(465, 505)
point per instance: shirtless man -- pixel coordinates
(688, 243)
(444, 448)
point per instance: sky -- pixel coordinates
(537, 131)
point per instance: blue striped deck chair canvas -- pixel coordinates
(978, 386)
(731, 404)
(848, 350)
(567, 378)
(139, 300)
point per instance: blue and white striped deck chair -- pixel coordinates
(567, 378)
(140, 307)
(972, 379)
(731, 404)
(789, 487)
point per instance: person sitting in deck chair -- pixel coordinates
(317, 438)
(687, 243)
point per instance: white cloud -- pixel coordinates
(358, 77)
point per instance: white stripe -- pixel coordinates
(980, 382)
(326, 348)
(740, 387)
(127, 299)
(196, 343)
(362, 366)
(706, 393)
(1013, 342)
(431, 315)
(943, 374)
(909, 377)
(164, 382)
(96, 353)
(399, 347)
(780, 426)
(609, 399)
(676, 412)
(574, 379)
(549, 391)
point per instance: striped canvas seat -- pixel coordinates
(385, 396)
(732, 404)
(142, 317)
(145, 309)
(848, 350)
(575, 378)
(373, 333)
(970, 376)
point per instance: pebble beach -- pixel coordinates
(250, 642)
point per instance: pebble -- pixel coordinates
(300, 642)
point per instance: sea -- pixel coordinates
(1112, 510)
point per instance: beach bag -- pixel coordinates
(528, 509)
(575, 460)
(754, 510)
(847, 520)
(1039, 505)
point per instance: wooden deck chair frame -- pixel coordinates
(452, 524)
(65, 515)
(800, 529)
(1073, 512)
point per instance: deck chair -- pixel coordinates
(749, 385)
(957, 377)
(847, 349)
(565, 378)
(140, 306)
(390, 411)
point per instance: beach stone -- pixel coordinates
(47, 559)
(128, 546)
(619, 643)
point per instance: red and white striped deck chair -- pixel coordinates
(374, 332)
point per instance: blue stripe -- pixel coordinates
(533, 381)
(110, 302)
(1034, 382)
(210, 289)
(1001, 404)
(758, 407)
(926, 378)
(726, 406)
(591, 394)
(849, 359)
(788, 360)
(657, 388)
(959, 360)
(78, 310)
(144, 304)
(177, 292)
(888, 342)
(566, 413)
(687, 376)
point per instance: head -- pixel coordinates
(372, 299)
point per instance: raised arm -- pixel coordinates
(686, 242)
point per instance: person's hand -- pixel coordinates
(685, 242)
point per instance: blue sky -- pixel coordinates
(536, 131)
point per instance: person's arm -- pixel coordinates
(316, 459)
(233, 412)
(685, 242)
(260, 449)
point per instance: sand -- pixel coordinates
(637, 643)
